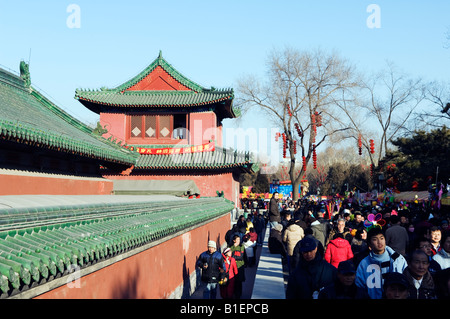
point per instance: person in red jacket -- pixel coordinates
(338, 250)
(227, 290)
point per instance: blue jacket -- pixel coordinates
(215, 263)
(370, 272)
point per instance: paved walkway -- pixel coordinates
(269, 281)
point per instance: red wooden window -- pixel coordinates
(158, 126)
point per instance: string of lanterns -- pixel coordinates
(316, 121)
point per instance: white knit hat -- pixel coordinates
(212, 243)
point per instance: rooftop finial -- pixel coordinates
(160, 54)
(25, 72)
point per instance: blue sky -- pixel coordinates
(214, 43)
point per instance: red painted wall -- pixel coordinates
(43, 185)
(115, 124)
(151, 274)
(202, 127)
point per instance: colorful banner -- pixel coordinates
(209, 147)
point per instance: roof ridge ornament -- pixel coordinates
(25, 73)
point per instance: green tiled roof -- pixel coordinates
(28, 117)
(155, 98)
(120, 98)
(44, 241)
(220, 158)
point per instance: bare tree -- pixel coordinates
(391, 99)
(300, 96)
(438, 113)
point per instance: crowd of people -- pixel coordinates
(226, 270)
(384, 251)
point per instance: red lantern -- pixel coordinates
(318, 118)
(372, 147)
(314, 127)
(289, 110)
(360, 144)
(371, 170)
(314, 157)
(297, 127)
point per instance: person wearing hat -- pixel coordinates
(381, 260)
(231, 270)
(212, 264)
(344, 286)
(395, 286)
(312, 273)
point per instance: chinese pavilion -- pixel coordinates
(175, 125)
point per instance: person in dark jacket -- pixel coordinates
(395, 286)
(344, 286)
(230, 233)
(275, 243)
(312, 273)
(397, 236)
(443, 284)
(212, 265)
(274, 210)
(296, 254)
(421, 284)
(260, 226)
